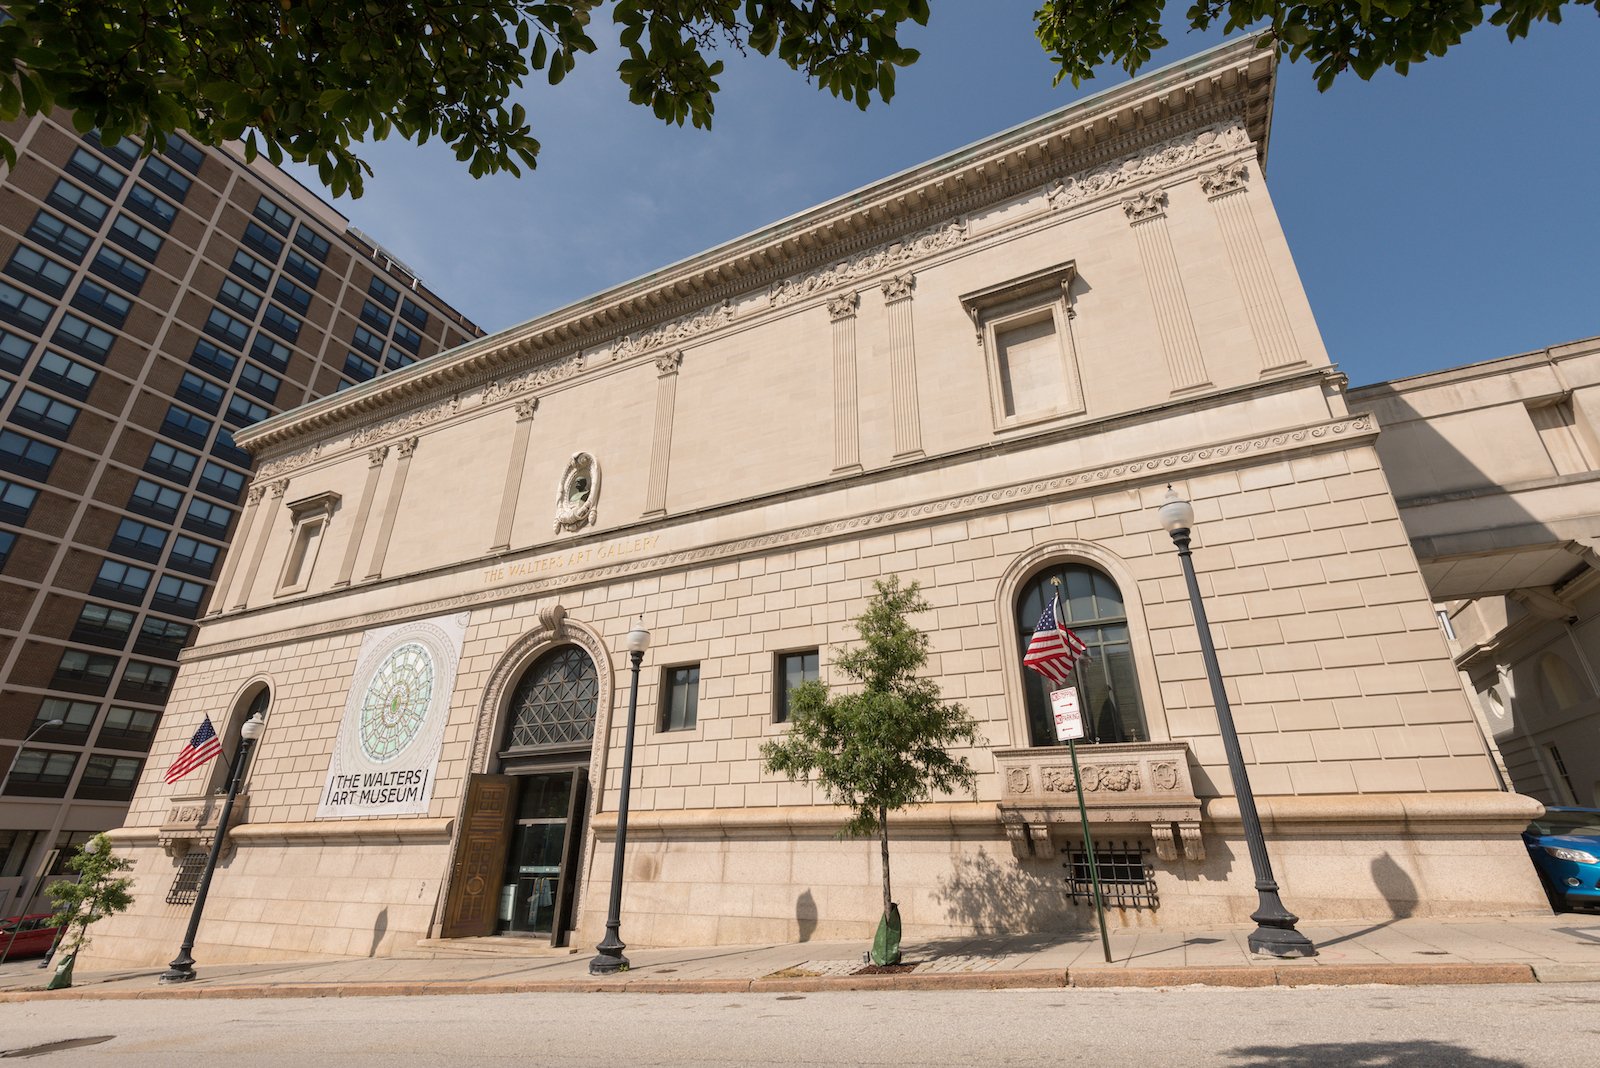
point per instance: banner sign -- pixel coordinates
(387, 751)
(1069, 720)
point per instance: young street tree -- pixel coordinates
(883, 745)
(100, 890)
(306, 80)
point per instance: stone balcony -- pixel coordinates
(1124, 784)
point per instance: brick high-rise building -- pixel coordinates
(148, 308)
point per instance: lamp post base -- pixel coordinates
(180, 970)
(1275, 934)
(609, 960)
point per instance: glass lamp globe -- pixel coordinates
(638, 637)
(1176, 513)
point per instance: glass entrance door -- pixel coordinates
(538, 889)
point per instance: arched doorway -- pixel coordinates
(522, 836)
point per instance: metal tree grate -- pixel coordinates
(186, 884)
(1126, 880)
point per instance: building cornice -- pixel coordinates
(1230, 82)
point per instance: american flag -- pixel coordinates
(1053, 649)
(202, 747)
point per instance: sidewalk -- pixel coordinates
(1520, 949)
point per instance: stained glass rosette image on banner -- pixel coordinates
(387, 751)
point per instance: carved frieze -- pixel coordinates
(416, 420)
(1165, 157)
(548, 374)
(873, 261)
(192, 821)
(284, 464)
(675, 331)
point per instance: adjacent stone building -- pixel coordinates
(981, 374)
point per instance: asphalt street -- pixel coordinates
(1368, 1027)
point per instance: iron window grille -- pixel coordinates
(186, 884)
(1127, 881)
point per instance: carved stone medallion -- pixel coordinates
(579, 493)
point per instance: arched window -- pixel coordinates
(1108, 686)
(222, 768)
(555, 703)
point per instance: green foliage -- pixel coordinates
(307, 79)
(99, 891)
(883, 745)
(1364, 36)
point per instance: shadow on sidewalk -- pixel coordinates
(1418, 1053)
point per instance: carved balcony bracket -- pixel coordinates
(191, 822)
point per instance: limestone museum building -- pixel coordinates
(980, 374)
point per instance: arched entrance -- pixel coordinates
(522, 835)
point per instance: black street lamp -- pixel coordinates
(1275, 933)
(609, 960)
(181, 970)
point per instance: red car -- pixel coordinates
(27, 936)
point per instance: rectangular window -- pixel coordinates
(404, 335)
(84, 338)
(1563, 442)
(1024, 326)
(117, 269)
(131, 728)
(223, 448)
(39, 271)
(81, 205)
(242, 412)
(376, 317)
(315, 245)
(193, 557)
(14, 351)
(274, 216)
(311, 517)
(397, 359)
(123, 150)
(161, 637)
(383, 291)
(146, 244)
(154, 500)
(36, 411)
(263, 242)
(357, 367)
(96, 171)
(108, 778)
(206, 518)
(150, 207)
(169, 461)
(369, 343)
(16, 501)
(302, 268)
(23, 309)
(53, 234)
(200, 392)
(24, 456)
(121, 582)
(281, 323)
(186, 882)
(255, 381)
(244, 301)
(76, 716)
(680, 697)
(145, 683)
(184, 153)
(414, 313)
(41, 773)
(227, 329)
(793, 669)
(251, 269)
(83, 672)
(100, 624)
(183, 425)
(8, 541)
(177, 596)
(57, 372)
(213, 360)
(291, 296)
(102, 303)
(139, 540)
(164, 177)
(272, 353)
(219, 481)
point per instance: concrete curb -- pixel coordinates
(1239, 976)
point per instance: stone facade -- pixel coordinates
(966, 375)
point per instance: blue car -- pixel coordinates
(1565, 846)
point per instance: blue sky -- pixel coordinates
(1437, 219)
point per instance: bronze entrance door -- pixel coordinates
(540, 878)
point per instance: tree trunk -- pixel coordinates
(883, 840)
